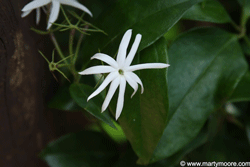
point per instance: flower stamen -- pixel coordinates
(121, 71)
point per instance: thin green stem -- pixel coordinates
(79, 21)
(63, 74)
(64, 59)
(61, 25)
(53, 38)
(77, 48)
(65, 15)
(43, 56)
(53, 55)
(87, 23)
(59, 51)
(76, 54)
(91, 30)
(71, 41)
(235, 25)
(61, 65)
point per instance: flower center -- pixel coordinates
(121, 71)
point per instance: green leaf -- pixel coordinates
(142, 16)
(129, 159)
(85, 148)
(116, 134)
(245, 48)
(63, 101)
(242, 91)
(80, 93)
(206, 65)
(210, 11)
(175, 159)
(143, 117)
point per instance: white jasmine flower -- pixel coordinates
(55, 8)
(120, 72)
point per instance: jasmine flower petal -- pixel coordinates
(106, 81)
(35, 4)
(107, 59)
(113, 86)
(24, 14)
(55, 8)
(76, 4)
(132, 83)
(122, 51)
(136, 79)
(97, 70)
(120, 101)
(133, 50)
(147, 66)
(38, 15)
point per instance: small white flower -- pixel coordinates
(55, 8)
(120, 72)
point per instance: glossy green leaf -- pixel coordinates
(116, 134)
(210, 11)
(85, 148)
(129, 159)
(63, 101)
(80, 93)
(142, 16)
(206, 66)
(242, 91)
(245, 48)
(175, 159)
(143, 117)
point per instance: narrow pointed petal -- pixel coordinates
(147, 66)
(122, 51)
(133, 50)
(38, 15)
(97, 70)
(44, 9)
(107, 80)
(77, 5)
(113, 86)
(55, 8)
(35, 4)
(132, 83)
(24, 14)
(120, 101)
(106, 58)
(136, 79)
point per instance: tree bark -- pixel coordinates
(24, 130)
